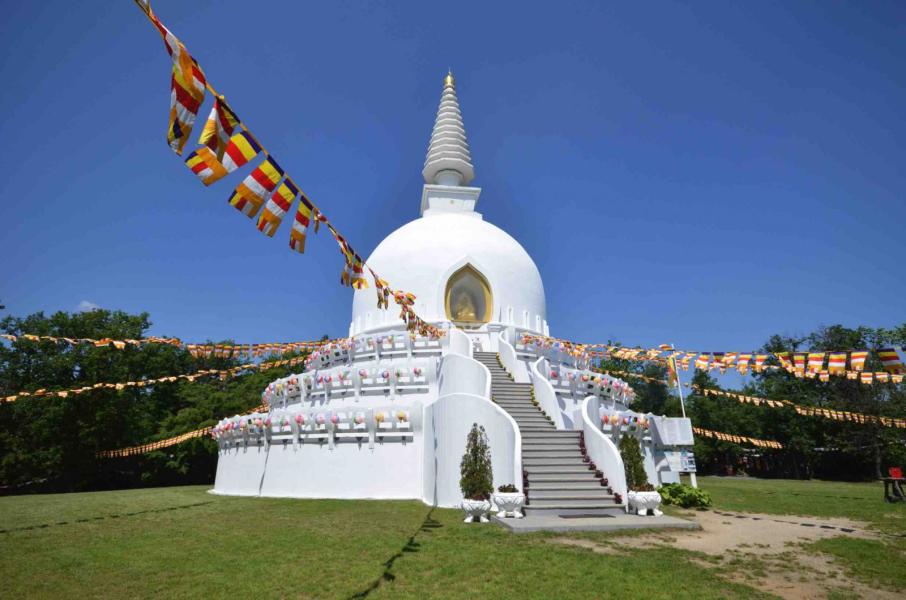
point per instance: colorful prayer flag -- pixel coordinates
(672, 376)
(250, 194)
(187, 88)
(205, 165)
(815, 361)
(799, 362)
(857, 359)
(890, 360)
(300, 224)
(836, 363)
(241, 149)
(276, 207)
(219, 128)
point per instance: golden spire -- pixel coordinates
(448, 80)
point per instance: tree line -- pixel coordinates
(50, 443)
(813, 446)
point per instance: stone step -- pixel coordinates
(540, 429)
(604, 510)
(571, 469)
(531, 453)
(588, 485)
(557, 461)
(569, 495)
(560, 433)
(512, 385)
(583, 478)
(572, 504)
(532, 439)
(532, 448)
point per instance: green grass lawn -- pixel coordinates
(183, 542)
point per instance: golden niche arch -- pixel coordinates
(468, 298)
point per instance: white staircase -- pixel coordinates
(558, 477)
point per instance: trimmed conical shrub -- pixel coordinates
(477, 476)
(633, 463)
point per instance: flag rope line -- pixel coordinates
(354, 262)
(172, 441)
(191, 377)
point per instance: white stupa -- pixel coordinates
(462, 269)
(385, 414)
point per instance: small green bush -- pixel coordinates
(477, 481)
(685, 496)
(507, 488)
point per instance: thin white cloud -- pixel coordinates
(86, 306)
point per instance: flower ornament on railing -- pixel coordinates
(360, 418)
(402, 416)
(321, 419)
(417, 371)
(379, 417)
(300, 419)
(554, 375)
(334, 418)
(386, 374)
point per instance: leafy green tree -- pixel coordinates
(477, 477)
(55, 440)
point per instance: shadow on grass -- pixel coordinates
(103, 517)
(411, 545)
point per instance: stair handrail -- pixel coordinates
(545, 394)
(508, 357)
(601, 449)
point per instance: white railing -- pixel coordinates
(544, 392)
(509, 359)
(601, 449)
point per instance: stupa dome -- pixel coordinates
(425, 254)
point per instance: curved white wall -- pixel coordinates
(544, 392)
(602, 451)
(449, 420)
(420, 256)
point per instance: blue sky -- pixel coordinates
(706, 175)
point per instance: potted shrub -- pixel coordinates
(509, 501)
(476, 476)
(642, 498)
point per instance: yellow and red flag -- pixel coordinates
(241, 149)
(219, 128)
(205, 165)
(278, 205)
(672, 377)
(890, 360)
(836, 363)
(300, 224)
(815, 361)
(187, 87)
(250, 194)
(857, 359)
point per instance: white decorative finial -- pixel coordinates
(449, 161)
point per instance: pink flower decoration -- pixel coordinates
(362, 372)
(359, 419)
(321, 419)
(553, 374)
(334, 419)
(300, 419)
(267, 422)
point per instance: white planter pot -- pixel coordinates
(509, 504)
(643, 502)
(476, 509)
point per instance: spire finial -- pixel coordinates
(449, 161)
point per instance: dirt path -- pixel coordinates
(771, 546)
